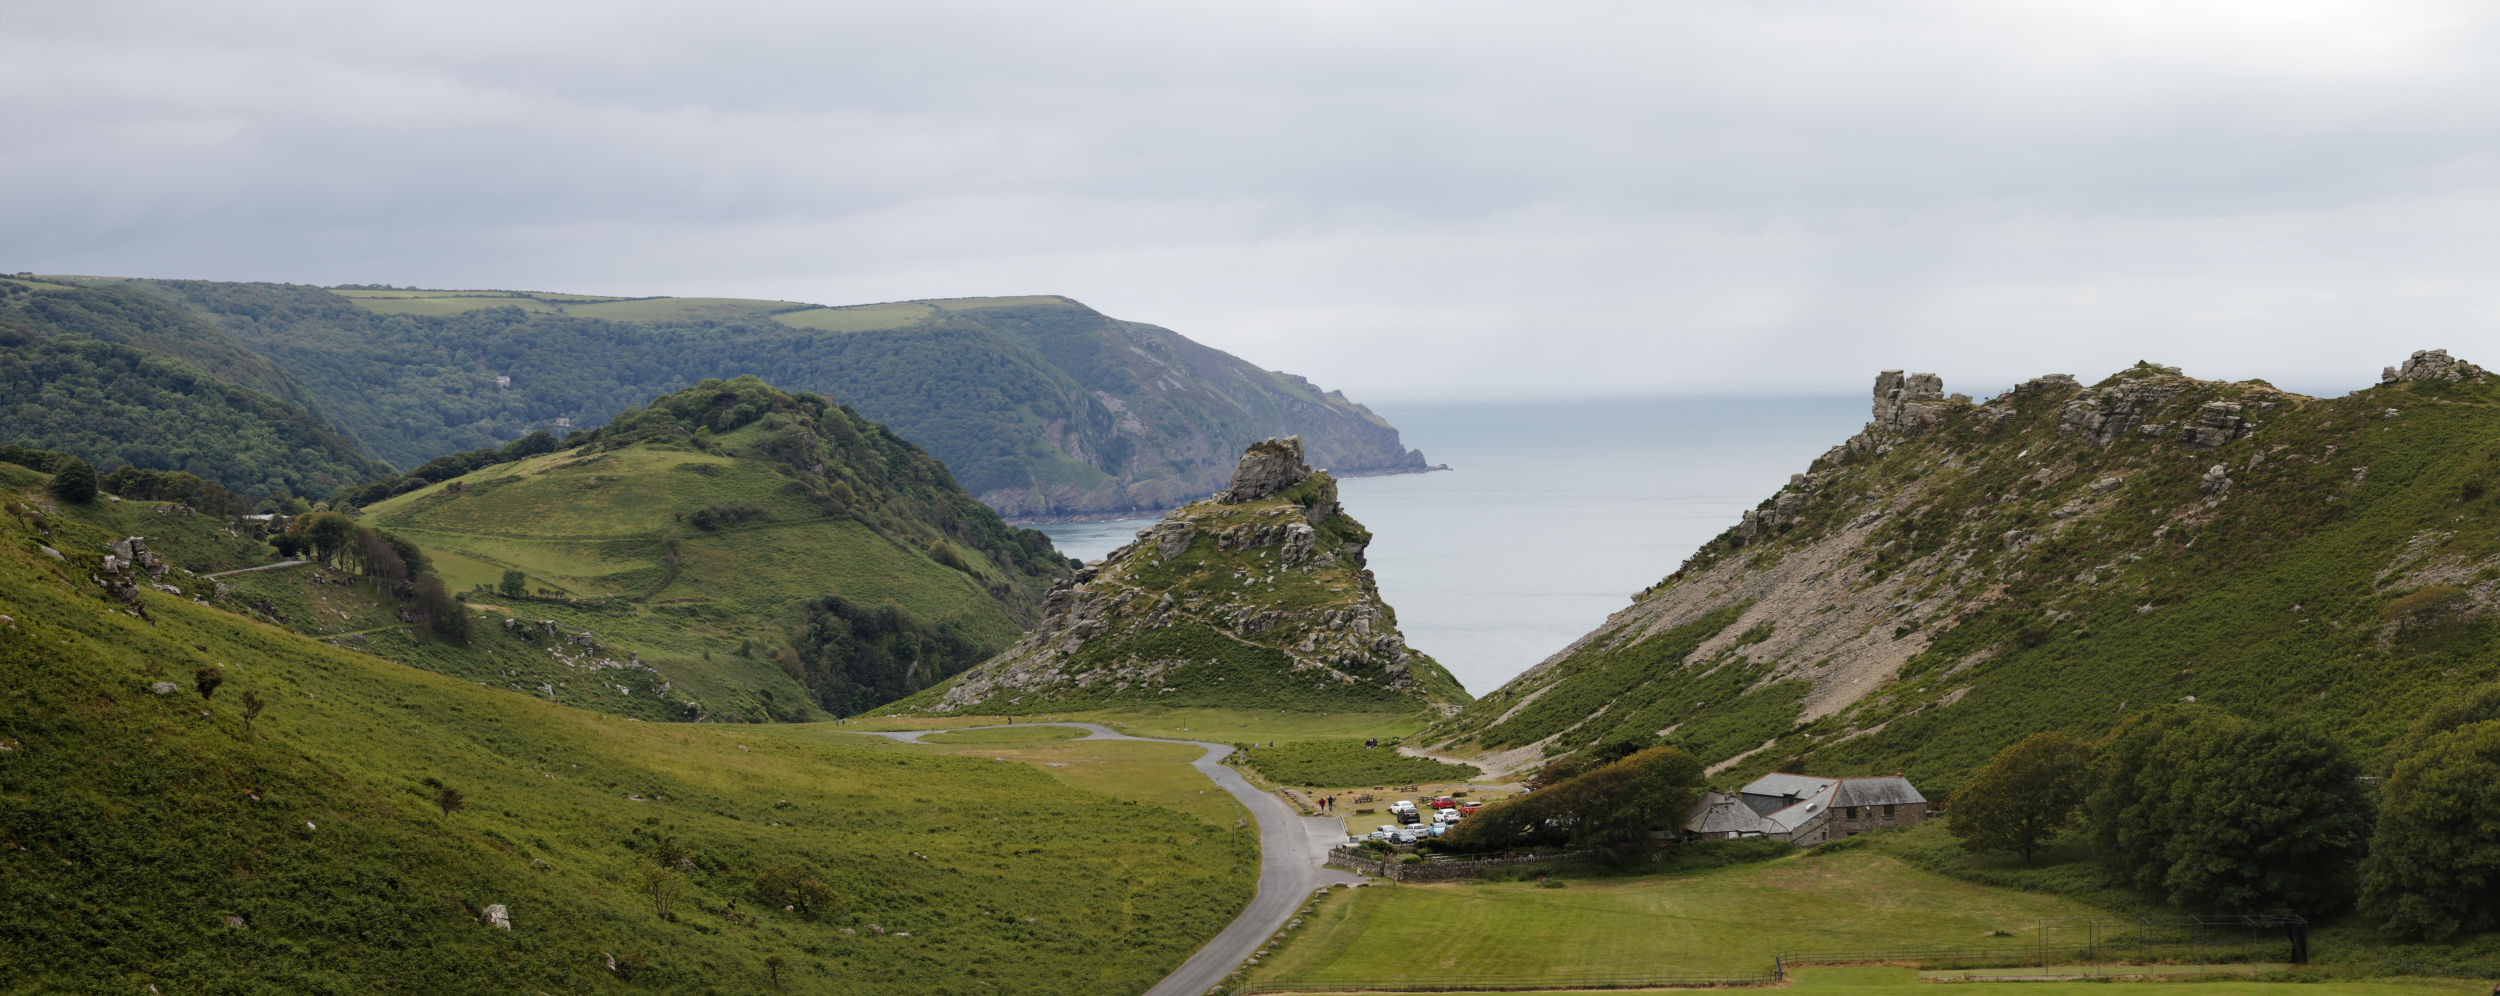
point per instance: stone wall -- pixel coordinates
(1435, 868)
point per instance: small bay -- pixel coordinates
(1554, 513)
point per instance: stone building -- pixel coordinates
(1807, 810)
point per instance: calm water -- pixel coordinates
(1554, 514)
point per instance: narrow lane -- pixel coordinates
(1292, 849)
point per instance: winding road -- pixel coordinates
(1292, 852)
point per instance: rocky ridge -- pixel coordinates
(1917, 575)
(1257, 595)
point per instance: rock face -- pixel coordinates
(1266, 470)
(2432, 364)
(1257, 596)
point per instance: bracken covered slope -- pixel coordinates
(1257, 597)
(1960, 574)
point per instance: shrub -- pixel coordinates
(74, 482)
(2023, 797)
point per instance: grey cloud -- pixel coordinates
(1403, 199)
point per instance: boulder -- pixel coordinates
(1172, 537)
(1266, 469)
(163, 688)
(2216, 481)
(498, 917)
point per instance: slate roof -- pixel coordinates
(1884, 790)
(1783, 784)
(1721, 813)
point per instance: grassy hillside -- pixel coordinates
(1965, 574)
(119, 378)
(1039, 405)
(707, 532)
(160, 840)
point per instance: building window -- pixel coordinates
(1888, 810)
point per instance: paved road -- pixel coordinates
(1292, 849)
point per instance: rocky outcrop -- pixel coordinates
(2432, 364)
(1266, 470)
(1267, 575)
(1906, 404)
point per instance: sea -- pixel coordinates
(1552, 514)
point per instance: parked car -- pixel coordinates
(1407, 835)
(1446, 816)
(1439, 828)
(1444, 802)
(1469, 807)
(1386, 831)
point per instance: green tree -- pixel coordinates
(514, 583)
(252, 705)
(74, 482)
(2025, 795)
(2434, 865)
(328, 533)
(450, 799)
(773, 964)
(1616, 804)
(2217, 813)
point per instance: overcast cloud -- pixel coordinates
(1407, 200)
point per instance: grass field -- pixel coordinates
(863, 318)
(1139, 774)
(1028, 733)
(1332, 764)
(1204, 724)
(144, 825)
(1724, 922)
(1905, 982)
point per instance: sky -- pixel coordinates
(1406, 200)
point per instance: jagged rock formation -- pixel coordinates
(2432, 364)
(1958, 573)
(1256, 597)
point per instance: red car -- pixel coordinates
(1469, 807)
(1444, 802)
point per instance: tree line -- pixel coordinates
(2207, 810)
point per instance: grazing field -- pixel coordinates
(449, 304)
(680, 309)
(863, 318)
